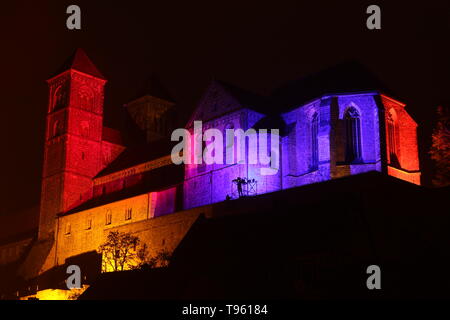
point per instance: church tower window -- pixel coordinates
(57, 129)
(59, 98)
(353, 135)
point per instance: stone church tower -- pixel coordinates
(153, 110)
(73, 142)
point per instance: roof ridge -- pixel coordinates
(79, 61)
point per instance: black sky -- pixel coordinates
(256, 45)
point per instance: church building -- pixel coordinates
(94, 183)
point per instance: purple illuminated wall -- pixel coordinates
(308, 154)
(165, 202)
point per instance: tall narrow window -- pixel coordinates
(314, 142)
(292, 147)
(59, 98)
(392, 140)
(128, 214)
(108, 217)
(353, 135)
(57, 129)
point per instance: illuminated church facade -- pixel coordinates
(93, 183)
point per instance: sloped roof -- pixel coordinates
(112, 135)
(153, 87)
(138, 154)
(155, 180)
(346, 77)
(79, 61)
(246, 98)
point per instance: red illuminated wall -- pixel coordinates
(406, 147)
(73, 146)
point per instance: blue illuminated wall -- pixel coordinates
(310, 153)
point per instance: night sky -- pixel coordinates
(257, 45)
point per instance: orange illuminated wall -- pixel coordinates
(401, 142)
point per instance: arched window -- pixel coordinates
(392, 139)
(59, 97)
(314, 142)
(57, 129)
(353, 135)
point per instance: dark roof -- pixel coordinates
(346, 77)
(79, 61)
(138, 154)
(153, 87)
(246, 98)
(120, 119)
(272, 122)
(155, 180)
(112, 135)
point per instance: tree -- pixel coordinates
(122, 251)
(161, 259)
(440, 148)
(119, 252)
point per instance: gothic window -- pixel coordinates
(269, 147)
(392, 140)
(292, 147)
(353, 135)
(85, 98)
(314, 142)
(59, 98)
